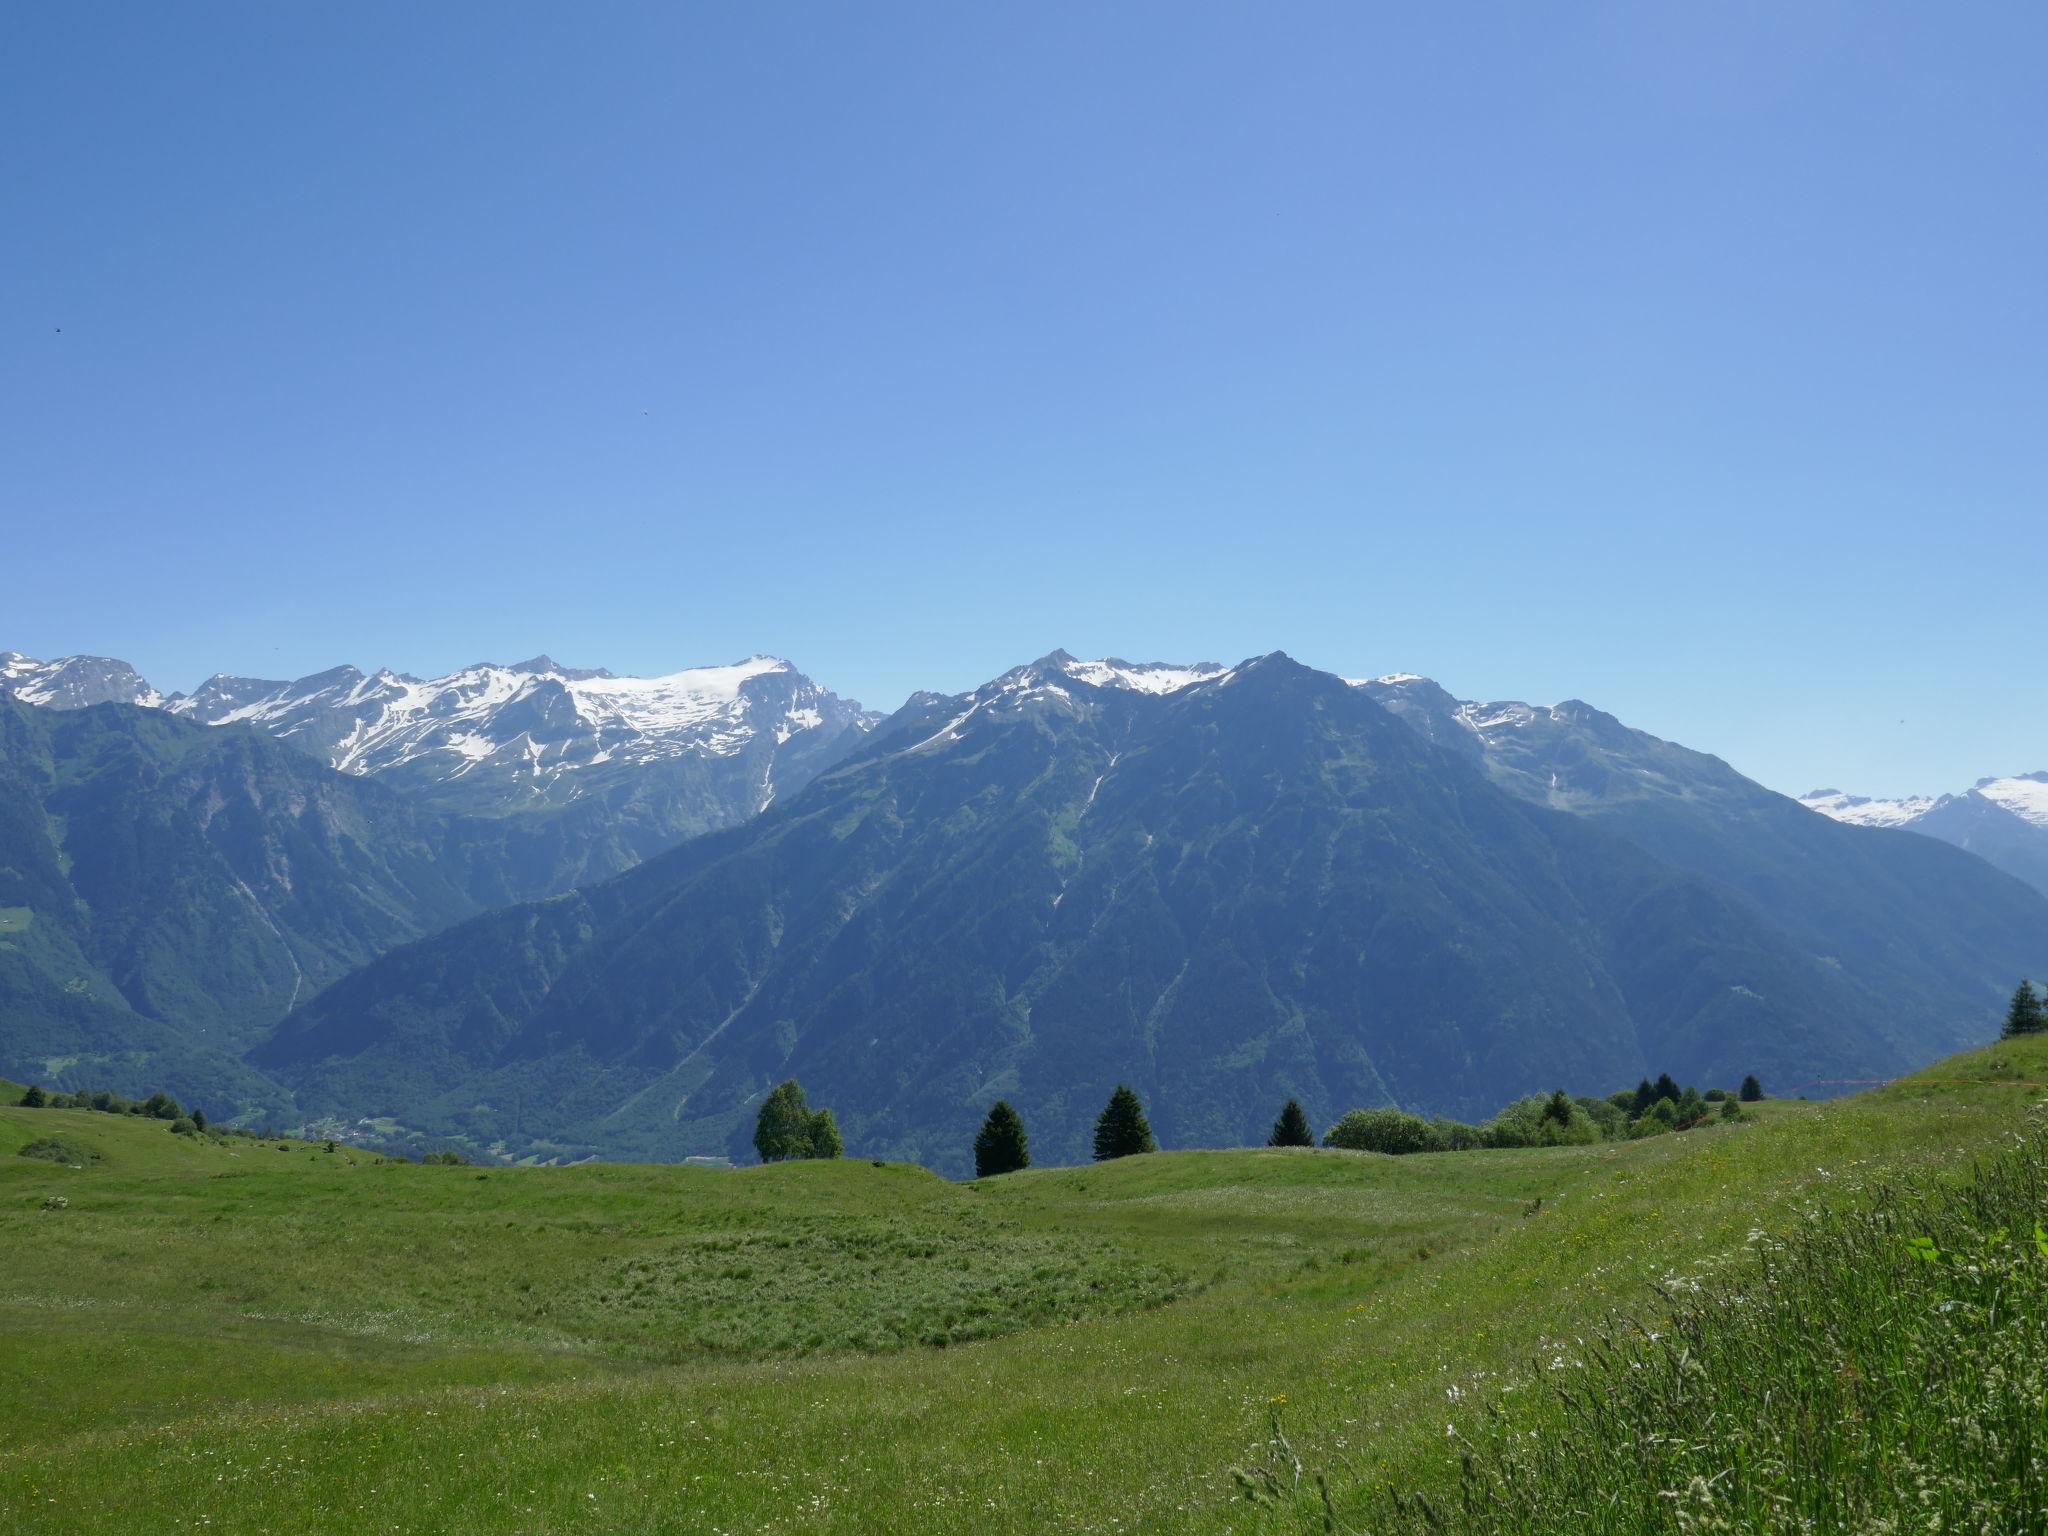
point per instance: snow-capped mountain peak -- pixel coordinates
(2025, 795)
(1863, 811)
(534, 724)
(74, 682)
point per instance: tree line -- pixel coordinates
(158, 1106)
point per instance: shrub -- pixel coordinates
(1393, 1131)
(34, 1098)
(1121, 1130)
(1534, 1122)
(51, 1150)
(825, 1140)
(1001, 1146)
(183, 1126)
(1730, 1110)
(1456, 1135)
(782, 1129)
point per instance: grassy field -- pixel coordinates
(231, 1337)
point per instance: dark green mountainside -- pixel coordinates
(168, 891)
(1891, 905)
(1258, 887)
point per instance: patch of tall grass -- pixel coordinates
(1884, 1369)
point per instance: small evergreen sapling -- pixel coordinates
(1751, 1090)
(1291, 1129)
(1001, 1146)
(2026, 1015)
(1121, 1129)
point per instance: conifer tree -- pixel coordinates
(1666, 1088)
(1001, 1145)
(1645, 1097)
(1558, 1109)
(1751, 1090)
(34, 1098)
(2026, 1016)
(1121, 1129)
(1291, 1129)
(825, 1140)
(783, 1128)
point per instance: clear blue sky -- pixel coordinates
(1688, 359)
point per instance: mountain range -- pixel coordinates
(2002, 820)
(598, 770)
(557, 912)
(1227, 886)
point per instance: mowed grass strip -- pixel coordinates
(1360, 1289)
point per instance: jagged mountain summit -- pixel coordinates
(615, 768)
(74, 682)
(535, 732)
(1224, 886)
(2002, 820)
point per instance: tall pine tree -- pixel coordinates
(1001, 1145)
(1291, 1129)
(1120, 1130)
(2026, 1016)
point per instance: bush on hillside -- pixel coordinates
(51, 1150)
(787, 1128)
(825, 1140)
(1542, 1120)
(1392, 1131)
(33, 1098)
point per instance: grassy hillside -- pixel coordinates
(251, 1339)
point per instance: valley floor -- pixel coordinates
(226, 1336)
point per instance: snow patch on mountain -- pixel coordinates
(1863, 811)
(1142, 676)
(2024, 795)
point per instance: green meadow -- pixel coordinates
(232, 1335)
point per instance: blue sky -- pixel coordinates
(1686, 359)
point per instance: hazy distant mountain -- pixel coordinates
(2002, 820)
(1910, 920)
(1227, 887)
(604, 770)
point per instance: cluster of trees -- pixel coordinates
(1547, 1120)
(158, 1106)
(2028, 1014)
(787, 1128)
(1003, 1146)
